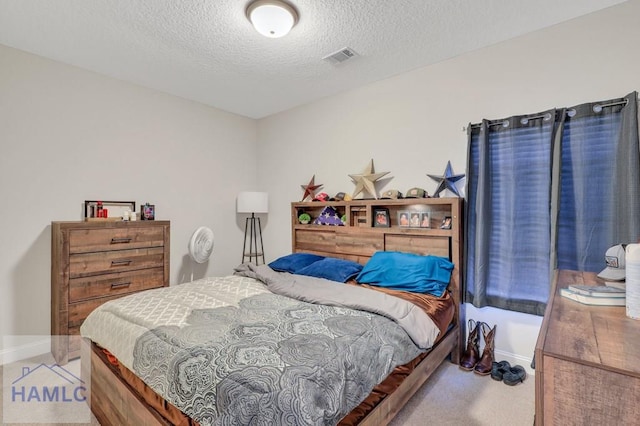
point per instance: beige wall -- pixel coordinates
(411, 124)
(69, 135)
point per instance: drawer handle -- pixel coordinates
(120, 285)
(121, 262)
(120, 240)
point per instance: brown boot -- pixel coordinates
(483, 367)
(472, 353)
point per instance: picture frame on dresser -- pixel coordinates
(116, 208)
(147, 212)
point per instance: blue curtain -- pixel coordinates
(508, 198)
(599, 176)
(546, 190)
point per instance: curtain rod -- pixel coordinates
(596, 108)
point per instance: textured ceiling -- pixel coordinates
(207, 51)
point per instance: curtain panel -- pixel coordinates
(548, 190)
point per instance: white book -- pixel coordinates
(597, 291)
(591, 300)
(622, 285)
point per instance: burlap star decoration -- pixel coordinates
(366, 180)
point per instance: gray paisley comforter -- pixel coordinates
(228, 351)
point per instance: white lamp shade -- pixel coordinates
(253, 202)
(272, 18)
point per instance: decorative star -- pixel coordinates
(447, 181)
(366, 181)
(310, 189)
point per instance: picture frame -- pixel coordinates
(115, 209)
(414, 219)
(446, 223)
(147, 211)
(425, 220)
(403, 218)
(381, 217)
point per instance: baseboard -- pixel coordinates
(25, 351)
(514, 359)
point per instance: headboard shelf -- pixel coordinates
(359, 240)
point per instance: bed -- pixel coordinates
(262, 388)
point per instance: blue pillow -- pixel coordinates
(332, 269)
(408, 272)
(293, 262)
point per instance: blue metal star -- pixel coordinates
(447, 181)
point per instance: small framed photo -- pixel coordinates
(95, 210)
(381, 217)
(403, 218)
(147, 212)
(425, 220)
(446, 223)
(414, 219)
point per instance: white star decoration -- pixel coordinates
(446, 181)
(366, 181)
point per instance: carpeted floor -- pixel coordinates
(451, 397)
(456, 397)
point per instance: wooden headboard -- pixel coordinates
(361, 237)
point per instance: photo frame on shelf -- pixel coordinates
(446, 223)
(403, 218)
(147, 212)
(425, 220)
(381, 217)
(414, 219)
(114, 209)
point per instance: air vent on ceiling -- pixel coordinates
(340, 56)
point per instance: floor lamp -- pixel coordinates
(253, 202)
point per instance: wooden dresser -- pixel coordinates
(587, 361)
(94, 262)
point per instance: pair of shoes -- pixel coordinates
(472, 360)
(503, 371)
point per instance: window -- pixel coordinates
(547, 190)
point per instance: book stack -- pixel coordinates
(603, 295)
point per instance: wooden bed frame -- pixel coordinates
(114, 402)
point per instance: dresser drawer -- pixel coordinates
(114, 284)
(94, 240)
(78, 312)
(87, 264)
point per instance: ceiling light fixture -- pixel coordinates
(272, 18)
